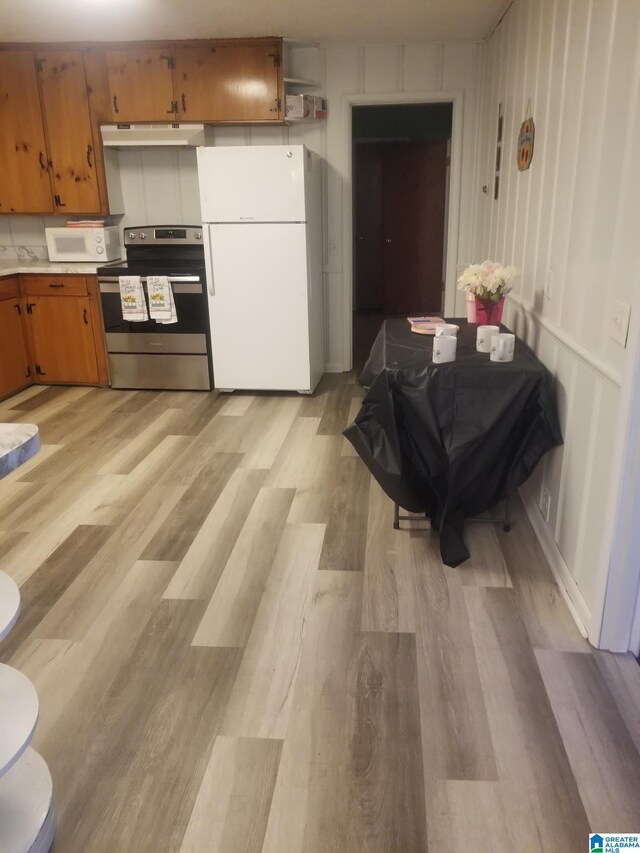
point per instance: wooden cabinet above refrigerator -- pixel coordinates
(209, 81)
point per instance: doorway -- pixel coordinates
(401, 156)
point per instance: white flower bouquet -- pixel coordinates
(489, 280)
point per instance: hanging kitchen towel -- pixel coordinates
(134, 305)
(162, 306)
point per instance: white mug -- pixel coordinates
(483, 337)
(444, 349)
(502, 347)
(446, 329)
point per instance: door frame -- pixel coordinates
(454, 97)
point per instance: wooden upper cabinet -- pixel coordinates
(69, 133)
(140, 84)
(24, 181)
(228, 83)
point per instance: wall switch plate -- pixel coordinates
(548, 288)
(620, 322)
(545, 504)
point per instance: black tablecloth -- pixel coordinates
(452, 440)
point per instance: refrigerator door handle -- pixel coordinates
(208, 258)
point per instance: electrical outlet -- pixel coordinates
(548, 288)
(545, 504)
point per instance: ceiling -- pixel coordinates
(324, 21)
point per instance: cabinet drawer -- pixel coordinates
(9, 288)
(52, 285)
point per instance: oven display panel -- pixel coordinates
(170, 233)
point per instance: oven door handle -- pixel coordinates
(180, 284)
(208, 258)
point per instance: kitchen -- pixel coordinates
(203, 75)
(232, 647)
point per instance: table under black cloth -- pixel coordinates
(452, 440)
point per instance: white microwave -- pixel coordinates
(84, 244)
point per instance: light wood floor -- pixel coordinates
(234, 650)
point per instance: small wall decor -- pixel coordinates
(498, 165)
(525, 141)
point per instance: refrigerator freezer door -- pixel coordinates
(252, 183)
(259, 314)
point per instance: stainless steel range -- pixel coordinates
(149, 354)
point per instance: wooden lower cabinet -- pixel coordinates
(15, 372)
(62, 337)
(63, 329)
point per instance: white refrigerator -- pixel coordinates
(262, 231)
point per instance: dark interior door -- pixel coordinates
(413, 202)
(368, 243)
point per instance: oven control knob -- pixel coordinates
(143, 236)
(99, 250)
(132, 235)
(198, 235)
(98, 238)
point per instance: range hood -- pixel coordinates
(131, 135)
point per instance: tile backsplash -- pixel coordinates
(22, 237)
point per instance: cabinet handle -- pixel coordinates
(43, 165)
(40, 371)
(184, 103)
(56, 285)
(115, 104)
(89, 153)
(18, 309)
(168, 59)
(58, 201)
(173, 108)
(85, 316)
(30, 307)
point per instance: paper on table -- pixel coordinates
(425, 325)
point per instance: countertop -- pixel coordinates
(15, 266)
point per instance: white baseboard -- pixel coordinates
(566, 584)
(334, 368)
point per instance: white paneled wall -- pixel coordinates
(160, 186)
(572, 222)
(380, 70)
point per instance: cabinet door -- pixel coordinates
(228, 83)
(140, 84)
(68, 127)
(63, 339)
(14, 362)
(24, 185)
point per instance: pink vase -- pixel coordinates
(488, 312)
(471, 307)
